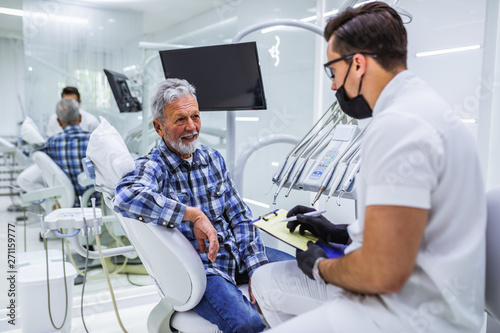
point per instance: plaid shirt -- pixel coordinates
(163, 184)
(67, 149)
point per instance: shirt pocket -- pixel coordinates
(179, 196)
(216, 199)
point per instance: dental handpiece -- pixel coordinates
(278, 172)
(306, 153)
(297, 151)
(311, 153)
(324, 184)
(85, 225)
(352, 156)
(307, 156)
(351, 176)
(304, 142)
(337, 166)
(282, 183)
(341, 169)
(305, 145)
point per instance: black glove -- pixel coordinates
(318, 226)
(306, 259)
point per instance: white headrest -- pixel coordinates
(30, 133)
(110, 157)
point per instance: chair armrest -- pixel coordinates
(44, 193)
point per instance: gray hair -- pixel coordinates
(167, 92)
(67, 110)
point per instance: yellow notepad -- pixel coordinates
(271, 223)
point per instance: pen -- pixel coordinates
(312, 214)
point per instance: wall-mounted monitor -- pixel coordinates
(124, 99)
(226, 77)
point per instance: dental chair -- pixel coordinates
(169, 258)
(492, 291)
(177, 272)
(58, 183)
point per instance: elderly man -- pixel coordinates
(69, 147)
(88, 123)
(181, 184)
(416, 255)
(66, 149)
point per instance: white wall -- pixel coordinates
(71, 53)
(11, 85)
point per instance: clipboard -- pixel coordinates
(271, 223)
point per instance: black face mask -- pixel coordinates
(356, 107)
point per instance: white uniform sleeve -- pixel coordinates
(89, 121)
(403, 159)
(53, 126)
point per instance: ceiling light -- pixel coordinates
(363, 3)
(42, 16)
(444, 51)
(256, 203)
(469, 121)
(247, 118)
(10, 11)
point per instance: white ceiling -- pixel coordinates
(161, 14)
(158, 14)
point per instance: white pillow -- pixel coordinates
(30, 133)
(110, 157)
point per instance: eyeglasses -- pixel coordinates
(329, 71)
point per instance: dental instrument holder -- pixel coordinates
(321, 163)
(70, 218)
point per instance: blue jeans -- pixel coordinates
(224, 305)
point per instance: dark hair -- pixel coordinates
(71, 91)
(373, 28)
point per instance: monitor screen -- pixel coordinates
(226, 77)
(124, 99)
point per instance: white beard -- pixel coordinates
(184, 148)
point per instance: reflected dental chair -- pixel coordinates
(59, 185)
(492, 291)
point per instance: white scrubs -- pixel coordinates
(415, 153)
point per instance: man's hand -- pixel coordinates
(319, 226)
(306, 259)
(203, 229)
